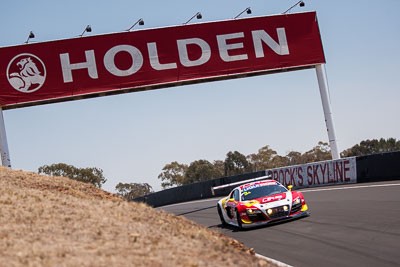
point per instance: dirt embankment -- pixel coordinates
(55, 221)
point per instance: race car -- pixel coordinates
(260, 202)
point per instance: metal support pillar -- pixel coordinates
(326, 105)
(5, 155)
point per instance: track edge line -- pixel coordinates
(278, 263)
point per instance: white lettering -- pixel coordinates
(154, 59)
(224, 47)
(67, 67)
(280, 48)
(137, 60)
(183, 53)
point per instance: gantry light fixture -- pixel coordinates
(87, 29)
(140, 22)
(197, 15)
(300, 3)
(30, 36)
(247, 10)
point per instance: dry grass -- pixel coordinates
(55, 221)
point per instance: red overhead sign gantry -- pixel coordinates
(116, 63)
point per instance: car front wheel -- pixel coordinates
(239, 220)
(221, 216)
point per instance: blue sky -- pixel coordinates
(132, 136)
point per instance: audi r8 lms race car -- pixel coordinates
(260, 202)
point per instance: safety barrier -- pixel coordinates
(378, 167)
(371, 168)
(194, 191)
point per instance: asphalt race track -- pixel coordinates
(352, 225)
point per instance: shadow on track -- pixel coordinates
(234, 229)
(193, 211)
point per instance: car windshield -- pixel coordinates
(261, 191)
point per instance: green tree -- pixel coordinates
(220, 165)
(320, 152)
(367, 147)
(172, 174)
(87, 175)
(201, 170)
(263, 159)
(130, 191)
(294, 158)
(236, 163)
(279, 161)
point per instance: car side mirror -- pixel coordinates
(290, 187)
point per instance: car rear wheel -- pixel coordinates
(221, 216)
(239, 220)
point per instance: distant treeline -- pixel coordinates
(176, 174)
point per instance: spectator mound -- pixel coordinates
(56, 221)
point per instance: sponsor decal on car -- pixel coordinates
(273, 198)
(250, 186)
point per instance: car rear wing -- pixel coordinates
(238, 183)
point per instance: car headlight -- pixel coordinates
(285, 208)
(269, 211)
(253, 211)
(297, 201)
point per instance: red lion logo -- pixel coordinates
(28, 73)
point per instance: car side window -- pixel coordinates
(236, 195)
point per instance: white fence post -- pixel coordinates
(5, 155)
(326, 105)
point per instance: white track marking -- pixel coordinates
(348, 187)
(278, 263)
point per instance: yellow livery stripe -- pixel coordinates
(245, 221)
(304, 208)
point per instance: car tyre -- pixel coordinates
(221, 216)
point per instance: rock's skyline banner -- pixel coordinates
(322, 173)
(141, 60)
